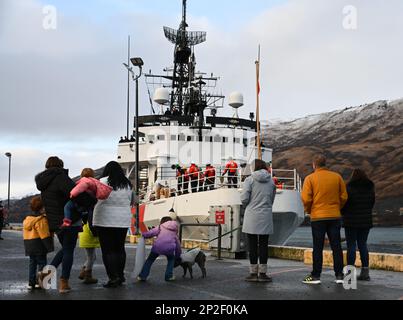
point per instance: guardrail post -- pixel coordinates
(219, 242)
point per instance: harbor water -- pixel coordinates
(382, 240)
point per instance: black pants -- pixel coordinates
(232, 180)
(319, 230)
(112, 242)
(354, 237)
(258, 248)
(209, 184)
(180, 184)
(194, 183)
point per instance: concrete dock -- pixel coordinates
(225, 281)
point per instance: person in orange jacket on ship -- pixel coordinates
(324, 194)
(210, 175)
(193, 173)
(232, 169)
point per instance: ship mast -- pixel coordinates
(258, 137)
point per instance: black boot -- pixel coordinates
(364, 276)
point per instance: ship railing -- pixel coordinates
(172, 187)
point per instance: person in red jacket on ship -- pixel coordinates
(194, 176)
(232, 169)
(210, 175)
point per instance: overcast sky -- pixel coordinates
(63, 91)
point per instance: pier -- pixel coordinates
(225, 281)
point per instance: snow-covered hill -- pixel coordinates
(369, 136)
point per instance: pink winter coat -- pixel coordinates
(91, 185)
(167, 242)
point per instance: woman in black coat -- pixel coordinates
(357, 219)
(55, 186)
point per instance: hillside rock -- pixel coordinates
(368, 137)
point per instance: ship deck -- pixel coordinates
(224, 281)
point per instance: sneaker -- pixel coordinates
(66, 223)
(311, 280)
(171, 279)
(141, 279)
(31, 286)
(339, 279)
(112, 284)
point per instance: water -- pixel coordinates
(382, 240)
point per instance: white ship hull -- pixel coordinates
(288, 212)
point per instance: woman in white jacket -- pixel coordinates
(112, 217)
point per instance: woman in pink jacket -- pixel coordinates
(84, 195)
(166, 244)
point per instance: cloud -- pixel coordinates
(67, 87)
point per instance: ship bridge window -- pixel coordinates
(208, 139)
(237, 140)
(190, 138)
(151, 138)
(217, 139)
(161, 137)
(224, 139)
(200, 139)
(181, 137)
(173, 137)
(245, 142)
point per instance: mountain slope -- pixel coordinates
(369, 137)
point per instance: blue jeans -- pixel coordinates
(36, 263)
(68, 209)
(358, 236)
(145, 272)
(65, 256)
(319, 230)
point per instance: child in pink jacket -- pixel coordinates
(86, 188)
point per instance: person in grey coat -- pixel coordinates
(257, 198)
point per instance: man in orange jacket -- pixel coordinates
(324, 195)
(209, 173)
(232, 168)
(193, 176)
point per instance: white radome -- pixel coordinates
(236, 100)
(161, 96)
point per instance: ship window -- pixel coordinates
(237, 140)
(191, 138)
(181, 137)
(245, 142)
(161, 138)
(209, 139)
(200, 139)
(217, 139)
(173, 137)
(151, 138)
(225, 139)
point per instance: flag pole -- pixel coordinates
(258, 138)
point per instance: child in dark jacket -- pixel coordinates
(167, 244)
(38, 241)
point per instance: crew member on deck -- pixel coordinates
(194, 176)
(232, 168)
(210, 174)
(182, 179)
